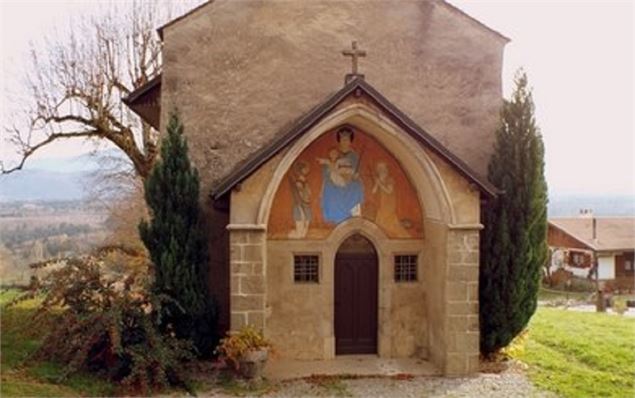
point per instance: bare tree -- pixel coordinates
(76, 86)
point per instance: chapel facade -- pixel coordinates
(343, 206)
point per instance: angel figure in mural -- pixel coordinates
(342, 190)
(387, 209)
(301, 193)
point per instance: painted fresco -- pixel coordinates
(344, 173)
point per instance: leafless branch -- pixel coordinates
(77, 81)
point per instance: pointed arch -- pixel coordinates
(419, 167)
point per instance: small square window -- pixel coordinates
(406, 268)
(305, 269)
(628, 265)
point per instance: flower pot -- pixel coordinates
(252, 363)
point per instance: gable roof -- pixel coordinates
(613, 233)
(451, 7)
(356, 86)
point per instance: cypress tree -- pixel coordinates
(514, 246)
(176, 240)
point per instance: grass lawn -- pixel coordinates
(21, 377)
(578, 354)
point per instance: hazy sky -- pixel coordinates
(578, 55)
(579, 59)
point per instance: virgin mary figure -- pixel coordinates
(342, 189)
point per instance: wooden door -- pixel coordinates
(356, 298)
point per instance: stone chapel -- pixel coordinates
(343, 203)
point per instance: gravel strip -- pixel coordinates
(505, 384)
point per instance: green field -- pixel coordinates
(577, 354)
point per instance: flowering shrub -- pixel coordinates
(233, 347)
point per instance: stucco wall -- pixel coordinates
(240, 72)
(300, 316)
(435, 273)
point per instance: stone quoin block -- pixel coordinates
(252, 284)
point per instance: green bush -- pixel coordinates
(177, 243)
(105, 325)
(514, 241)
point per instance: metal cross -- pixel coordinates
(355, 53)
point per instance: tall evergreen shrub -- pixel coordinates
(514, 244)
(176, 240)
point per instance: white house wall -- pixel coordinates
(606, 267)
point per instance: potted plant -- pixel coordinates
(246, 351)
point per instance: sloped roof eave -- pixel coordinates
(131, 98)
(572, 235)
(145, 101)
(243, 171)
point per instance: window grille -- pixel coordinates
(305, 269)
(406, 268)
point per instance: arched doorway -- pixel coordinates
(356, 286)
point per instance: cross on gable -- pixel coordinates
(355, 54)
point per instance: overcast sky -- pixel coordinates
(578, 55)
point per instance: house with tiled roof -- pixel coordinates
(579, 243)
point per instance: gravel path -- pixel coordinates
(511, 383)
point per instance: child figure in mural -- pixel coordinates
(342, 189)
(332, 167)
(301, 200)
(387, 208)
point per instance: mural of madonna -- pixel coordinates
(342, 189)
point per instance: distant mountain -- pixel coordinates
(81, 163)
(42, 185)
(610, 205)
(55, 179)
